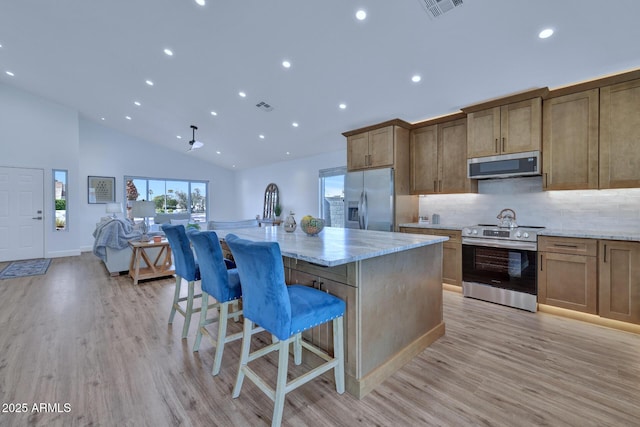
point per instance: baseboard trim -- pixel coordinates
(61, 254)
(452, 288)
(589, 318)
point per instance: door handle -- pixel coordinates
(361, 211)
(496, 150)
(37, 217)
(503, 139)
(365, 208)
(540, 262)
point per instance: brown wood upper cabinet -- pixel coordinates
(620, 135)
(591, 137)
(383, 145)
(570, 141)
(438, 154)
(512, 128)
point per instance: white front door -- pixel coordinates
(21, 213)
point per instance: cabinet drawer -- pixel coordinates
(344, 273)
(568, 245)
(455, 236)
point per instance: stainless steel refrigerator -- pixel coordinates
(369, 200)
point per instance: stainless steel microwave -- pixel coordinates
(505, 165)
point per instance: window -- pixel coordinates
(171, 196)
(332, 196)
(60, 200)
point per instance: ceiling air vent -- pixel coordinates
(437, 8)
(264, 106)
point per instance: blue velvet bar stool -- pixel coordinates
(285, 312)
(186, 268)
(220, 283)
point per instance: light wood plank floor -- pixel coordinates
(103, 345)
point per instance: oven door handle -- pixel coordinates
(501, 244)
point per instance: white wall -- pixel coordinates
(37, 133)
(297, 181)
(40, 134)
(106, 152)
(583, 210)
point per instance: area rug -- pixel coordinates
(30, 267)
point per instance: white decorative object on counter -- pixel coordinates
(290, 223)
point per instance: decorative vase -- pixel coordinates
(312, 226)
(290, 223)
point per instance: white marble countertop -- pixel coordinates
(629, 235)
(335, 246)
(633, 236)
(429, 225)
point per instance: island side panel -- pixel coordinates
(400, 305)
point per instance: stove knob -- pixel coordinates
(525, 235)
(518, 234)
(466, 231)
(474, 231)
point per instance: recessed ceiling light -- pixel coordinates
(342, 106)
(213, 113)
(288, 153)
(9, 73)
(200, 2)
(102, 118)
(178, 136)
(168, 52)
(137, 103)
(127, 117)
(361, 15)
(0, 44)
(546, 33)
(218, 152)
(242, 94)
(149, 82)
(416, 78)
(286, 64)
(233, 166)
(294, 124)
(261, 136)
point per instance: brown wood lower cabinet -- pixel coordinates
(451, 252)
(305, 274)
(568, 273)
(619, 280)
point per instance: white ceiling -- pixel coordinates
(95, 56)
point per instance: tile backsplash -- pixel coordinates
(589, 210)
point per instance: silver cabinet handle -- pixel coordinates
(37, 217)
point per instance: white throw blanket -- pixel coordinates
(115, 234)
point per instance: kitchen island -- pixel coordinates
(392, 286)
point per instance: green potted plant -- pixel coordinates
(277, 210)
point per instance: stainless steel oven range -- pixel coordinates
(499, 263)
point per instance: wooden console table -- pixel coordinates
(160, 267)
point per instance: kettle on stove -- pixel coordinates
(507, 218)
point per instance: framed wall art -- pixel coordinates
(101, 189)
